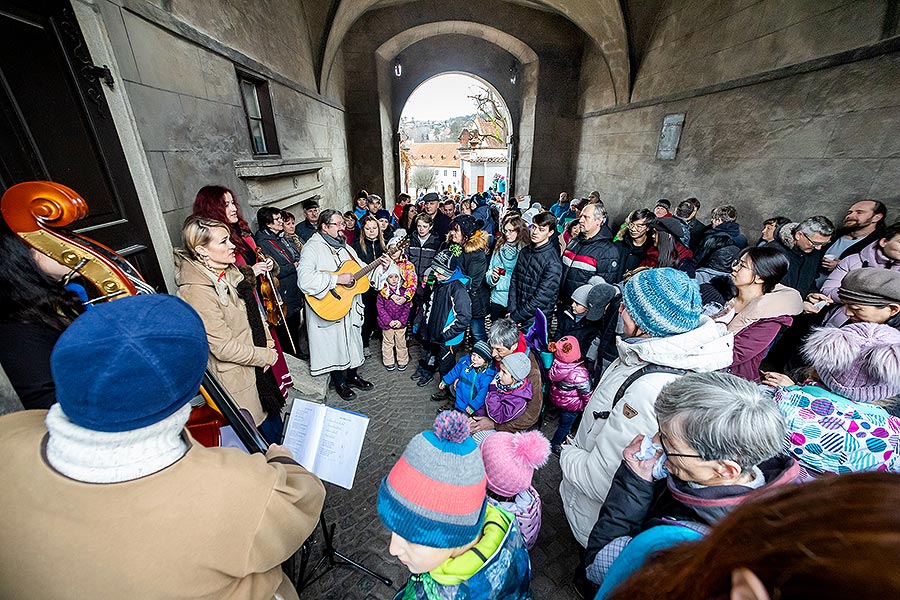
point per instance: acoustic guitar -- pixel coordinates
(337, 302)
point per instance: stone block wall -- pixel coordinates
(696, 43)
(178, 64)
(803, 144)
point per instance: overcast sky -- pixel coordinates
(441, 97)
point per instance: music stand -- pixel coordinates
(331, 554)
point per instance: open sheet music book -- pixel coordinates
(326, 440)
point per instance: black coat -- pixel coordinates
(473, 262)
(630, 256)
(305, 230)
(586, 257)
(448, 311)
(421, 255)
(283, 253)
(534, 283)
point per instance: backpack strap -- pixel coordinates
(645, 370)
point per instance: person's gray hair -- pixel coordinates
(722, 417)
(818, 224)
(504, 332)
(599, 211)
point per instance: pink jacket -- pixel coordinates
(571, 387)
(871, 257)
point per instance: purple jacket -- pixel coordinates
(388, 311)
(571, 387)
(752, 343)
(504, 406)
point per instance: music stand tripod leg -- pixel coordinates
(333, 556)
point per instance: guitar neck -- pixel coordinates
(365, 270)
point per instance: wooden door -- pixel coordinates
(55, 125)
(480, 183)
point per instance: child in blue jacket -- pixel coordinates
(472, 375)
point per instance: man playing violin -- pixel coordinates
(106, 495)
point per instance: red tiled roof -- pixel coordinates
(434, 154)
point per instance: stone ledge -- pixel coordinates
(275, 167)
(305, 385)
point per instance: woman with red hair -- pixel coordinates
(219, 203)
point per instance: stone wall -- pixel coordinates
(696, 43)
(178, 65)
(802, 144)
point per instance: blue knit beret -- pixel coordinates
(129, 363)
(663, 302)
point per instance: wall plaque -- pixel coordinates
(669, 136)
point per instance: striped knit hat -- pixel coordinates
(663, 302)
(435, 494)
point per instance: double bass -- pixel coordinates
(38, 212)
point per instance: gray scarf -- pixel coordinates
(334, 242)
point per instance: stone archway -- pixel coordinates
(602, 21)
(521, 109)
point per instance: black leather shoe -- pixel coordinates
(425, 379)
(360, 383)
(345, 392)
(440, 396)
(419, 373)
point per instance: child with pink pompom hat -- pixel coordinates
(509, 463)
(453, 542)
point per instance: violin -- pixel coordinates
(272, 301)
(37, 211)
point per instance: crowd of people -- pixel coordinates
(683, 369)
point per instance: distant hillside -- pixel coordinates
(446, 130)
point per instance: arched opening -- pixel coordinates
(507, 65)
(455, 136)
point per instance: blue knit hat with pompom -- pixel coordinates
(435, 494)
(663, 302)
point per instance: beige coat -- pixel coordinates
(216, 524)
(232, 355)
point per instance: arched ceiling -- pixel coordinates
(601, 20)
(403, 40)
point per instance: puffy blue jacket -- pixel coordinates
(471, 385)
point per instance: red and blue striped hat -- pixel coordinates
(435, 494)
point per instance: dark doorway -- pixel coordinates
(55, 125)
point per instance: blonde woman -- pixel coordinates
(241, 349)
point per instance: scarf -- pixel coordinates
(334, 242)
(270, 396)
(112, 457)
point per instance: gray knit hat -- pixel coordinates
(518, 365)
(595, 295)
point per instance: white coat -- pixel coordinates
(588, 465)
(333, 345)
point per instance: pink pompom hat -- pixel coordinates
(511, 458)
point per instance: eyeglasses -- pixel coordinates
(816, 245)
(675, 454)
(738, 265)
(637, 226)
(335, 223)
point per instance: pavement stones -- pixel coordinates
(398, 410)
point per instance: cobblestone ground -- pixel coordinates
(398, 409)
